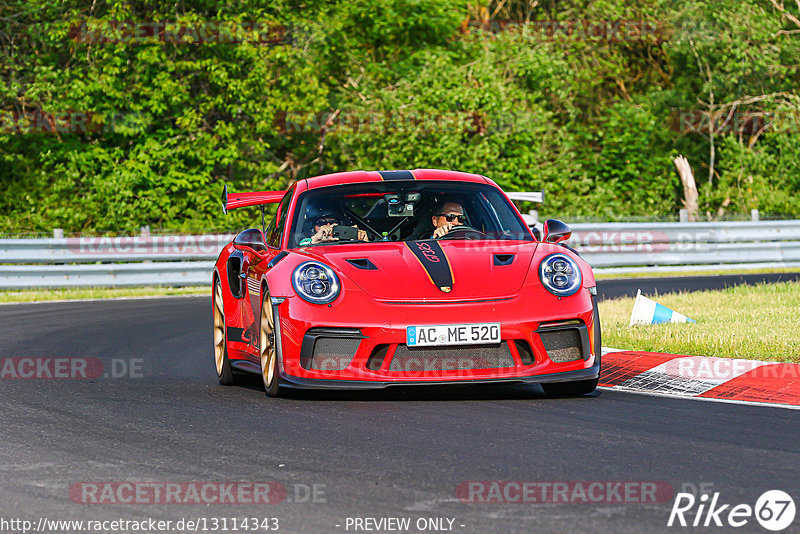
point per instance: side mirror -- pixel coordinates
(556, 231)
(252, 238)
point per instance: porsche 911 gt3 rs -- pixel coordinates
(354, 286)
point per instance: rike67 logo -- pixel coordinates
(774, 510)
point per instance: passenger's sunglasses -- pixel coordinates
(452, 217)
(323, 222)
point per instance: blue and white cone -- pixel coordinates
(646, 311)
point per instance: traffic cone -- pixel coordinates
(647, 311)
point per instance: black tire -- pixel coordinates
(598, 336)
(220, 339)
(580, 387)
(268, 349)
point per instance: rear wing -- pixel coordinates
(528, 196)
(233, 201)
(532, 217)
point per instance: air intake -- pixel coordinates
(333, 354)
(362, 263)
(329, 349)
(503, 259)
(563, 345)
(451, 358)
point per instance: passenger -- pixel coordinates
(323, 231)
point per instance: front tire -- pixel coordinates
(223, 364)
(266, 344)
(598, 336)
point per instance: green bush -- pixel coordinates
(156, 128)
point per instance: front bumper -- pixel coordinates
(294, 382)
(520, 322)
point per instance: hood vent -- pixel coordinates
(362, 263)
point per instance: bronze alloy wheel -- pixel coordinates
(223, 365)
(266, 344)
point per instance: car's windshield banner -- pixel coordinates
(433, 260)
(396, 175)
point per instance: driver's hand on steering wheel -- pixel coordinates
(443, 229)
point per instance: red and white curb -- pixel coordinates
(700, 377)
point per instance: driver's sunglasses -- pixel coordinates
(323, 222)
(451, 217)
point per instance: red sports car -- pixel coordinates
(385, 278)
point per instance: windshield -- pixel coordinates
(404, 211)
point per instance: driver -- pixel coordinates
(323, 231)
(447, 216)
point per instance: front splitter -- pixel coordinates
(295, 382)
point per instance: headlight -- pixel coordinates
(560, 275)
(315, 282)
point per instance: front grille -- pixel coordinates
(333, 354)
(562, 345)
(451, 358)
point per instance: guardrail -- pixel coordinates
(188, 260)
(666, 245)
(111, 249)
(183, 273)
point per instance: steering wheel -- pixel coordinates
(464, 232)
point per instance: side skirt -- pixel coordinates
(246, 366)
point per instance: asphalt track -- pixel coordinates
(399, 453)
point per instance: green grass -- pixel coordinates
(98, 293)
(710, 272)
(753, 322)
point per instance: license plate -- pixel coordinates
(453, 334)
